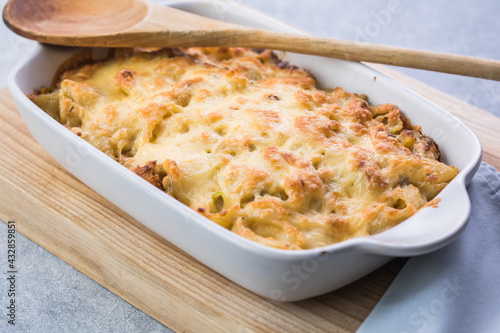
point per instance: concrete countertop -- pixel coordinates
(54, 297)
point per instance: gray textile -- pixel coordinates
(455, 289)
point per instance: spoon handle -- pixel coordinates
(382, 54)
(217, 33)
(229, 36)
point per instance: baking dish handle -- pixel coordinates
(428, 230)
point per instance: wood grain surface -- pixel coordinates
(70, 220)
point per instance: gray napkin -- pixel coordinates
(457, 288)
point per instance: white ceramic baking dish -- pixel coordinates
(277, 274)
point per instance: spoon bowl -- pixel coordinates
(35, 18)
(140, 23)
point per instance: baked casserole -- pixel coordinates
(250, 142)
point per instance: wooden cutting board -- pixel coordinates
(59, 213)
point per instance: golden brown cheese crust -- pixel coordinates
(249, 142)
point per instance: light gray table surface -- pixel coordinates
(54, 297)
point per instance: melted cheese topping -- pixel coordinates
(249, 142)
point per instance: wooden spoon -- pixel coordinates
(140, 23)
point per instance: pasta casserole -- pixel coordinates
(251, 142)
